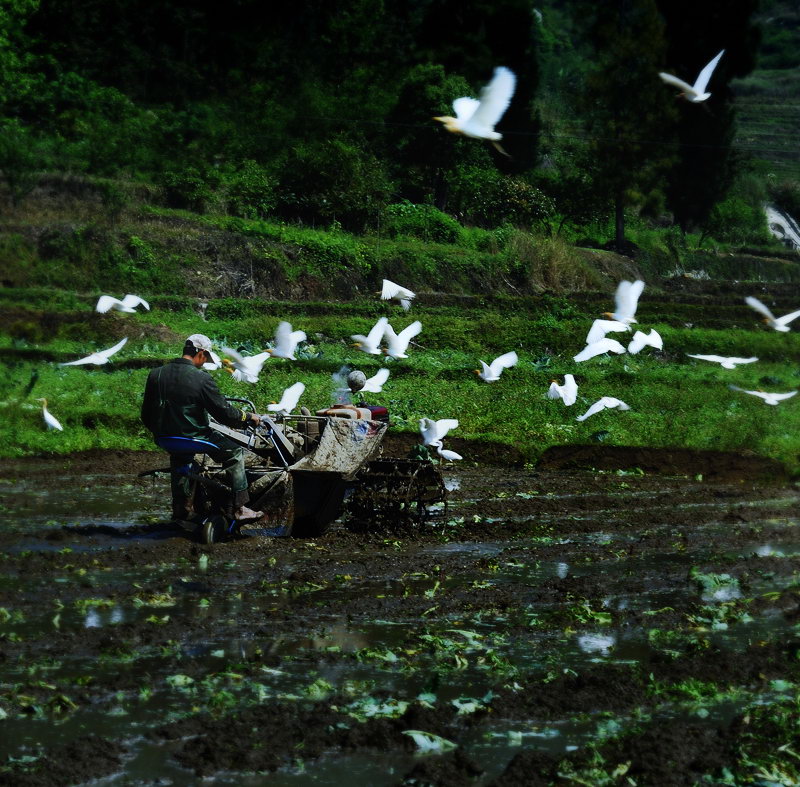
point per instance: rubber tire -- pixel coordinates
(213, 530)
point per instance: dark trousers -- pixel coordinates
(231, 457)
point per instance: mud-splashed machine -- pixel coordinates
(305, 471)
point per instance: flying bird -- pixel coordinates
(626, 299)
(477, 117)
(286, 341)
(769, 398)
(291, 396)
(371, 342)
(606, 402)
(600, 328)
(444, 453)
(725, 363)
(778, 323)
(244, 369)
(392, 291)
(375, 383)
(491, 372)
(398, 342)
(568, 392)
(641, 340)
(435, 431)
(598, 348)
(127, 304)
(51, 421)
(696, 92)
(98, 358)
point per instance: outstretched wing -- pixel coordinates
(504, 361)
(111, 350)
(375, 383)
(378, 331)
(495, 97)
(702, 80)
(409, 332)
(465, 108)
(787, 318)
(132, 301)
(756, 304)
(595, 408)
(684, 87)
(626, 299)
(105, 303)
(443, 426)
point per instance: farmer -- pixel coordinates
(178, 398)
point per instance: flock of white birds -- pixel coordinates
(474, 118)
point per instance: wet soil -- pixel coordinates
(552, 619)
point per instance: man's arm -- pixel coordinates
(219, 408)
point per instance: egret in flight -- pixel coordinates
(286, 341)
(769, 398)
(626, 300)
(477, 117)
(435, 431)
(641, 340)
(371, 343)
(398, 342)
(244, 369)
(375, 383)
(127, 304)
(98, 358)
(605, 402)
(491, 372)
(568, 392)
(598, 348)
(696, 92)
(402, 295)
(778, 323)
(291, 396)
(725, 362)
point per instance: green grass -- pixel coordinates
(675, 401)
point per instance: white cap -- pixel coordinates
(200, 342)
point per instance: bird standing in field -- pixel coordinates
(286, 341)
(491, 372)
(696, 92)
(291, 396)
(778, 323)
(433, 431)
(128, 304)
(98, 358)
(626, 300)
(51, 421)
(477, 117)
(598, 348)
(244, 369)
(398, 342)
(605, 402)
(724, 362)
(402, 295)
(769, 398)
(641, 340)
(371, 343)
(375, 383)
(568, 393)
(444, 453)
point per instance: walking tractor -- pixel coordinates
(305, 471)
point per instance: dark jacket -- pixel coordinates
(179, 397)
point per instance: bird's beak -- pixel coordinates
(477, 371)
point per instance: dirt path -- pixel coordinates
(553, 618)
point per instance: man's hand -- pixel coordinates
(253, 419)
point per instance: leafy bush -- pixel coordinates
(420, 221)
(735, 221)
(250, 191)
(18, 159)
(190, 189)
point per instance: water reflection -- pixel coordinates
(597, 643)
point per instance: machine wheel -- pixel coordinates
(213, 530)
(395, 495)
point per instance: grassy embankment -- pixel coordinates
(53, 269)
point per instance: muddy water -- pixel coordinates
(546, 613)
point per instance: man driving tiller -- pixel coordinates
(178, 399)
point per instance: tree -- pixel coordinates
(626, 115)
(707, 162)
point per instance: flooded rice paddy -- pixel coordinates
(553, 627)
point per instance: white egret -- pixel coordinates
(244, 369)
(398, 342)
(371, 342)
(375, 383)
(444, 453)
(696, 92)
(392, 291)
(769, 398)
(286, 341)
(98, 358)
(600, 328)
(626, 300)
(128, 304)
(568, 392)
(51, 421)
(605, 402)
(598, 348)
(491, 372)
(641, 340)
(477, 117)
(289, 399)
(433, 431)
(724, 362)
(778, 323)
